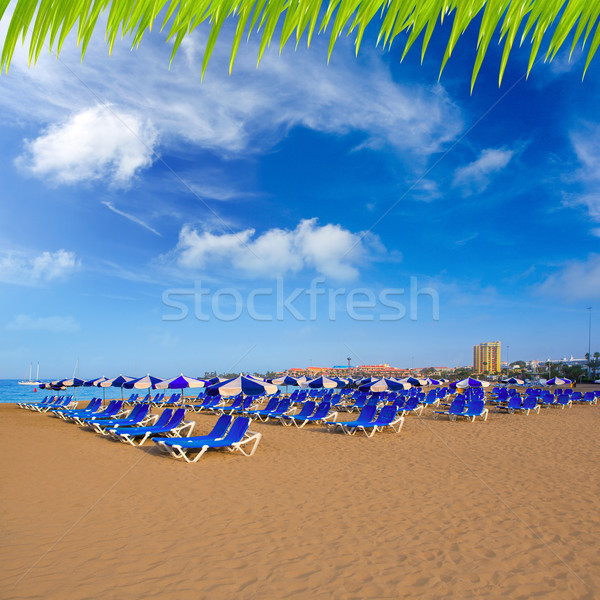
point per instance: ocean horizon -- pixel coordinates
(12, 392)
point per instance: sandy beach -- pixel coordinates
(506, 508)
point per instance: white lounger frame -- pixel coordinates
(181, 452)
(483, 415)
(146, 422)
(186, 426)
(289, 422)
(395, 425)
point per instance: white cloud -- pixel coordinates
(53, 324)
(91, 144)
(248, 112)
(577, 280)
(476, 176)
(17, 268)
(330, 250)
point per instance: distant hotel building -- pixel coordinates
(486, 358)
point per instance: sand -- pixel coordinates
(502, 509)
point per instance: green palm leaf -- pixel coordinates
(41, 23)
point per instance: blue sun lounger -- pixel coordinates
(112, 411)
(530, 403)
(64, 413)
(170, 423)
(321, 415)
(547, 399)
(475, 408)
(71, 415)
(137, 417)
(235, 440)
(412, 406)
(589, 398)
(359, 404)
(270, 407)
(45, 402)
(283, 408)
(364, 418)
(457, 408)
(563, 400)
(237, 402)
(66, 402)
(388, 417)
(513, 404)
(246, 405)
(209, 403)
(218, 433)
(53, 402)
(308, 408)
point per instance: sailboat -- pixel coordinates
(31, 381)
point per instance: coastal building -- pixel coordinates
(486, 357)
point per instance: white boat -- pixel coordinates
(31, 381)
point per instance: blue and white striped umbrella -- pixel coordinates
(382, 385)
(143, 383)
(73, 382)
(117, 382)
(470, 382)
(180, 383)
(94, 382)
(285, 380)
(414, 381)
(249, 386)
(322, 382)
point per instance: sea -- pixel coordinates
(11, 391)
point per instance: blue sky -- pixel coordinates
(131, 190)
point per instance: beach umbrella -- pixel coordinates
(94, 382)
(470, 382)
(433, 381)
(366, 381)
(118, 381)
(414, 381)
(558, 381)
(285, 380)
(341, 382)
(216, 380)
(56, 385)
(322, 382)
(514, 381)
(180, 382)
(248, 386)
(143, 383)
(73, 382)
(303, 381)
(381, 385)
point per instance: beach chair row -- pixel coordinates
(169, 430)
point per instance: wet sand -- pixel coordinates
(508, 508)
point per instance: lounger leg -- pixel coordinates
(255, 437)
(197, 457)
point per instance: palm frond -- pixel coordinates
(48, 22)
